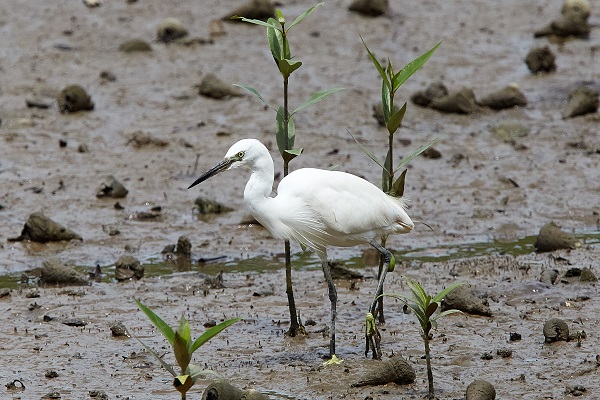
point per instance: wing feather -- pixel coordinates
(335, 208)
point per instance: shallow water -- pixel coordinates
(306, 261)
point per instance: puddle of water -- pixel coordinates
(308, 261)
(444, 253)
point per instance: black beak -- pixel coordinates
(222, 166)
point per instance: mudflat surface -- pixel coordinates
(481, 190)
(255, 354)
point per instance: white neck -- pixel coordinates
(260, 184)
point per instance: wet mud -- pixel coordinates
(520, 349)
(138, 116)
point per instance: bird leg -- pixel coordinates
(388, 265)
(373, 337)
(333, 300)
(296, 327)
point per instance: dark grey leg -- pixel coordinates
(387, 257)
(333, 300)
(372, 335)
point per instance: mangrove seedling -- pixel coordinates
(183, 348)
(391, 82)
(277, 37)
(424, 306)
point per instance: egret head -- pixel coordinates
(242, 153)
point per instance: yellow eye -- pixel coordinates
(240, 155)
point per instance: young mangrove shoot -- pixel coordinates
(424, 306)
(180, 340)
(277, 37)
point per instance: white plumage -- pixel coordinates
(317, 208)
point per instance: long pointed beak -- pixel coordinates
(222, 166)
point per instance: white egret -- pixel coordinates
(317, 208)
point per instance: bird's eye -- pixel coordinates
(240, 155)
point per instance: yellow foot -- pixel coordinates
(333, 361)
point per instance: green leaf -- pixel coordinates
(386, 101)
(290, 154)
(161, 325)
(444, 313)
(291, 139)
(398, 186)
(286, 67)
(423, 305)
(389, 69)
(412, 67)
(378, 66)
(316, 97)
(280, 131)
(258, 21)
(212, 332)
(274, 44)
(181, 350)
(416, 289)
(368, 152)
(394, 121)
(420, 296)
(256, 93)
(184, 330)
(410, 303)
(275, 39)
(440, 296)
(279, 16)
(412, 155)
(304, 15)
(419, 313)
(284, 143)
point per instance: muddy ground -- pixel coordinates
(482, 190)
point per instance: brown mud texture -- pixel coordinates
(138, 116)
